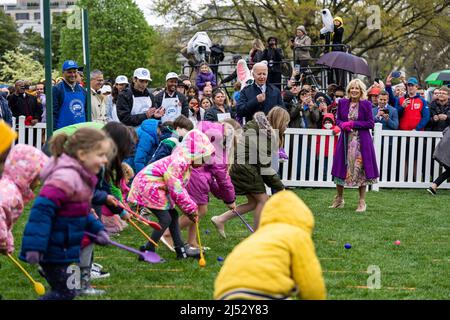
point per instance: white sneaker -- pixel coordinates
(145, 212)
(97, 266)
(98, 274)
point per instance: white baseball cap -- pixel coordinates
(142, 74)
(171, 75)
(105, 89)
(121, 80)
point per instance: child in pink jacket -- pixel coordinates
(20, 177)
(212, 177)
(162, 185)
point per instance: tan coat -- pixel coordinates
(98, 108)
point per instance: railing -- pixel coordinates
(31, 135)
(404, 158)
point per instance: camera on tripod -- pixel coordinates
(217, 53)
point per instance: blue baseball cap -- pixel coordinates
(69, 64)
(413, 81)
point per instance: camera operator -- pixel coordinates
(274, 56)
(23, 104)
(198, 49)
(384, 113)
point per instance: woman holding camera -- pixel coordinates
(274, 56)
(354, 163)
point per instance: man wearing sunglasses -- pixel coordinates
(440, 110)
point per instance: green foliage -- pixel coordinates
(408, 28)
(15, 65)
(9, 36)
(33, 43)
(120, 39)
(417, 269)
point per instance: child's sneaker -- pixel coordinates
(85, 283)
(98, 274)
(282, 155)
(145, 212)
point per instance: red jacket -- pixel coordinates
(415, 115)
(336, 131)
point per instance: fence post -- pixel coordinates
(377, 141)
(22, 129)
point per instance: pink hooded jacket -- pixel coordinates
(23, 165)
(212, 177)
(162, 184)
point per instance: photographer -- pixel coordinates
(301, 50)
(291, 99)
(384, 113)
(274, 56)
(198, 48)
(322, 101)
(24, 104)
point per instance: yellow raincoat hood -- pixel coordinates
(278, 259)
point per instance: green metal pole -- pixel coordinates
(87, 63)
(48, 68)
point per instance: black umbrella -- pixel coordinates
(345, 61)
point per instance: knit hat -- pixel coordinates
(340, 20)
(8, 136)
(302, 28)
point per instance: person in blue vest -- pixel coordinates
(69, 98)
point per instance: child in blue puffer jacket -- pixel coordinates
(62, 212)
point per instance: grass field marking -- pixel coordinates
(387, 288)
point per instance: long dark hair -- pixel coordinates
(121, 136)
(197, 115)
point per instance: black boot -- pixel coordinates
(187, 251)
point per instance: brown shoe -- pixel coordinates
(337, 203)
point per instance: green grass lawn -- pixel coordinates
(418, 268)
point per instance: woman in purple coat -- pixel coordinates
(354, 163)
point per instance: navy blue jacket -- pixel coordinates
(58, 237)
(6, 114)
(248, 105)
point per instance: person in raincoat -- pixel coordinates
(278, 261)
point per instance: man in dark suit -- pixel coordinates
(259, 96)
(24, 104)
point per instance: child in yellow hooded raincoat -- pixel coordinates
(278, 260)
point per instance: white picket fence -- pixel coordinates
(404, 157)
(31, 135)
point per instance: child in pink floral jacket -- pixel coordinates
(20, 177)
(162, 185)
